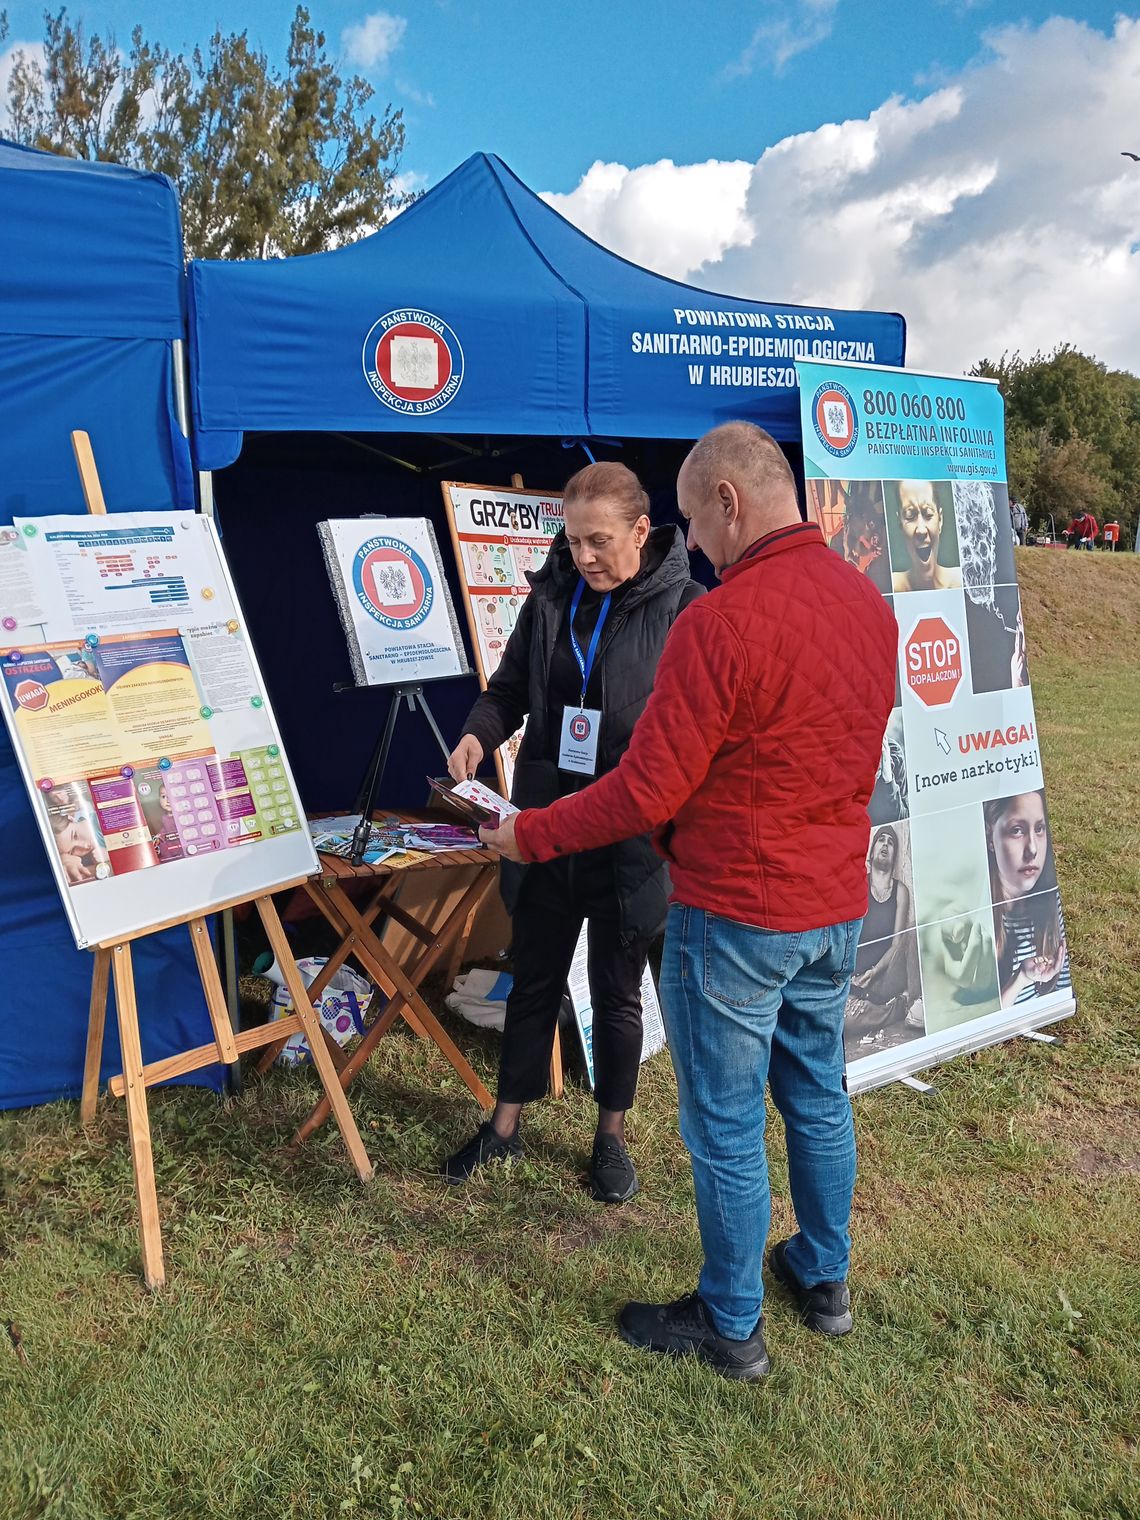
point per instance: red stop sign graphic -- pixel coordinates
(933, 661)
(31, 695)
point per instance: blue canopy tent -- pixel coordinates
(470, 338)
(549, 333)
(91, 312)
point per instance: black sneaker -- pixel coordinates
(485, 1145)
(612, 1177)
(685, 1329)
(825, 1307)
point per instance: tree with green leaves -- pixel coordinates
(268, 161)
(1072, 435)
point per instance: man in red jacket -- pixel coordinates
(753, 764)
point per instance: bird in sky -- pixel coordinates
(1135, 157)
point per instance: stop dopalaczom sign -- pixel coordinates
(933, 659)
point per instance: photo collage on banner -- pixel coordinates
(905, 477)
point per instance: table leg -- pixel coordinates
(373, 956)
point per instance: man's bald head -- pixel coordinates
(746, 455)
(734, 487)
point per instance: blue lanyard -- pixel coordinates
(587, 664)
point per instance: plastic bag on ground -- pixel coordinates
(341, 1010)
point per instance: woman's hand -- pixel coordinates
(465, 758)
(1043, 968)
(76, 870)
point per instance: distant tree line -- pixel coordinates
(1072, 436)
(268, 160)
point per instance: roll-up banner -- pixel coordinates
(964, 940)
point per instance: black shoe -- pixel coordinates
(485, 1145)
(685, 1329)
(826, 1307)
(612, 1177)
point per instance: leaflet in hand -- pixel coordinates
(476, 802)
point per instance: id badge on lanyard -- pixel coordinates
(581, 725)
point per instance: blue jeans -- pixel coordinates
(744, 1007)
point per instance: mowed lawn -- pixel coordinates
(322, 1349)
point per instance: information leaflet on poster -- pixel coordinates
(964, 939)
(392, 597)
(140, 721)
(578, 989)
(500, 537)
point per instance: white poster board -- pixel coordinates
(500, 535)
(140, 722)
(392, 596)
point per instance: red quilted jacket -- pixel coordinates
(756, 755)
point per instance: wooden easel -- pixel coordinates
(113, 960)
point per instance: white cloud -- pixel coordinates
(423, 98)
(781, 37)
(995, 213)
(673, 217)
(370, 43)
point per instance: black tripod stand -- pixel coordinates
(413, 695)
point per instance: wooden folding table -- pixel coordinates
(398, 976)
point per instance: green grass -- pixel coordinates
(322, 1349)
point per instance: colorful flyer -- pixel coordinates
(131, 570)
(964, 939)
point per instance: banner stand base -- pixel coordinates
(916, 1086)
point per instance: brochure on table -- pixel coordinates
(140, 721)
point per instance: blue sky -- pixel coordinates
(552, 87)
(955, 159)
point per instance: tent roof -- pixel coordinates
(481, 310)
(87, 250)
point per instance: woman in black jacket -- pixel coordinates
(579, 667)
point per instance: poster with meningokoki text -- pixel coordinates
(140, 721)
(500, 536)
(964, 939)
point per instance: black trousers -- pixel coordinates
(555, 899)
